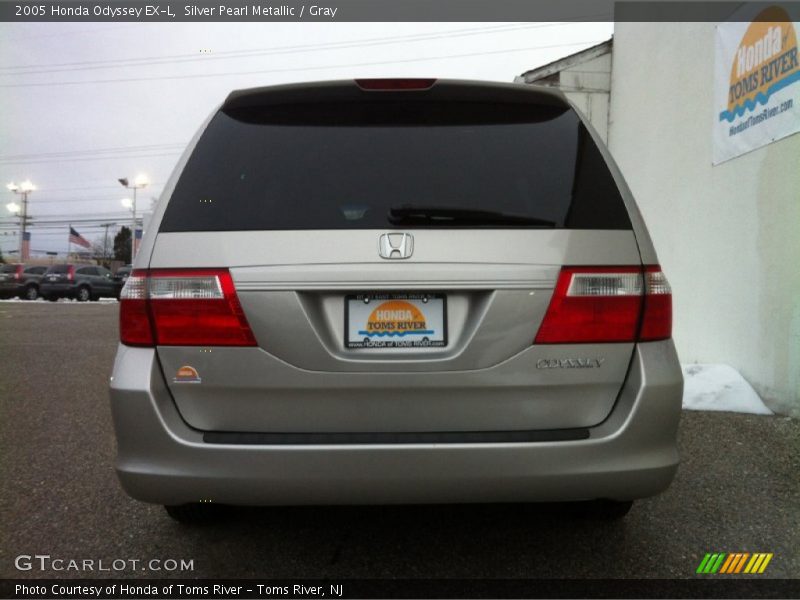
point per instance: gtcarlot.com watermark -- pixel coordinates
(45, 562)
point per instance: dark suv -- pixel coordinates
(19, 280)
(82, 282)
(120, 277)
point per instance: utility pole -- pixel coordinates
(105, 240)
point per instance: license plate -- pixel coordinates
(52, 277)
(395, 321)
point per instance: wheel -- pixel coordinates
(84, 295)
(193, 513)
(31, 292)
(607, 510)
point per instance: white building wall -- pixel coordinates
(728, 236)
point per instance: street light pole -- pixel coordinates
(141, 181)
(23, 189)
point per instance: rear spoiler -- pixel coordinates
(439, 90)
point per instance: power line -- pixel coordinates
(85, 158)
(255, 52)
(71, 218)
(106, 198)
(66, 33)
(297, 69)
(112, 150)
(95, 187)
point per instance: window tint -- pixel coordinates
(86, 271)
(35, 270)
(58, 269)
(8, 268)
(349, 166)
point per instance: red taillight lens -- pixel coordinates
(71, 273)
(607, 304)
(135, 328)
(382, 85)
(18, 272)
(657, 318)
(193, 307)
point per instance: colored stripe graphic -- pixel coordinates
(727, 564)
(767, 558)
(734, 563)
(711, 563)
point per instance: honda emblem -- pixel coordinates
(396, 245)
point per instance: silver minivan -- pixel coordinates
(395, 291)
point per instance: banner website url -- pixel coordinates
(765, 114)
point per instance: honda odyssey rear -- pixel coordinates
(395, 291)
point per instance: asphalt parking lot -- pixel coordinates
(737, 490)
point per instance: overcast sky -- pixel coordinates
(84, 104)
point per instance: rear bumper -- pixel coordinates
(60, 290)
(9, 289)
(632, 454)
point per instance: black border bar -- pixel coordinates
(707, 587)
(166, 11)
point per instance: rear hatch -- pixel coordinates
(10, 273)
(394, 254)
(59, 274)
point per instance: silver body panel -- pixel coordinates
(489, 377)
(302, 378)
(632, 454)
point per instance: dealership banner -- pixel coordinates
(756, 81)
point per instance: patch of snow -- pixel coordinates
(721, 388)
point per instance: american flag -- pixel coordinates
(77, 238)
(136, 241)
(26, 246)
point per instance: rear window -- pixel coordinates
(8, 268)
(58, 269)
(372, 165)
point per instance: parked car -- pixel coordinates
(81, 282)
(434, 291)
(20, 280)
(120, 277)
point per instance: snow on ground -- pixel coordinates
(719, 387)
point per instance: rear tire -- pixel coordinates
(83, 295)
(31, 292)
(193, 513)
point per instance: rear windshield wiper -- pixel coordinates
(427, 215)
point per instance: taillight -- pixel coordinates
(608, 304)
(191, 307)
(18, 272)
(386, 85)
(657, 317)
(71, 273)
